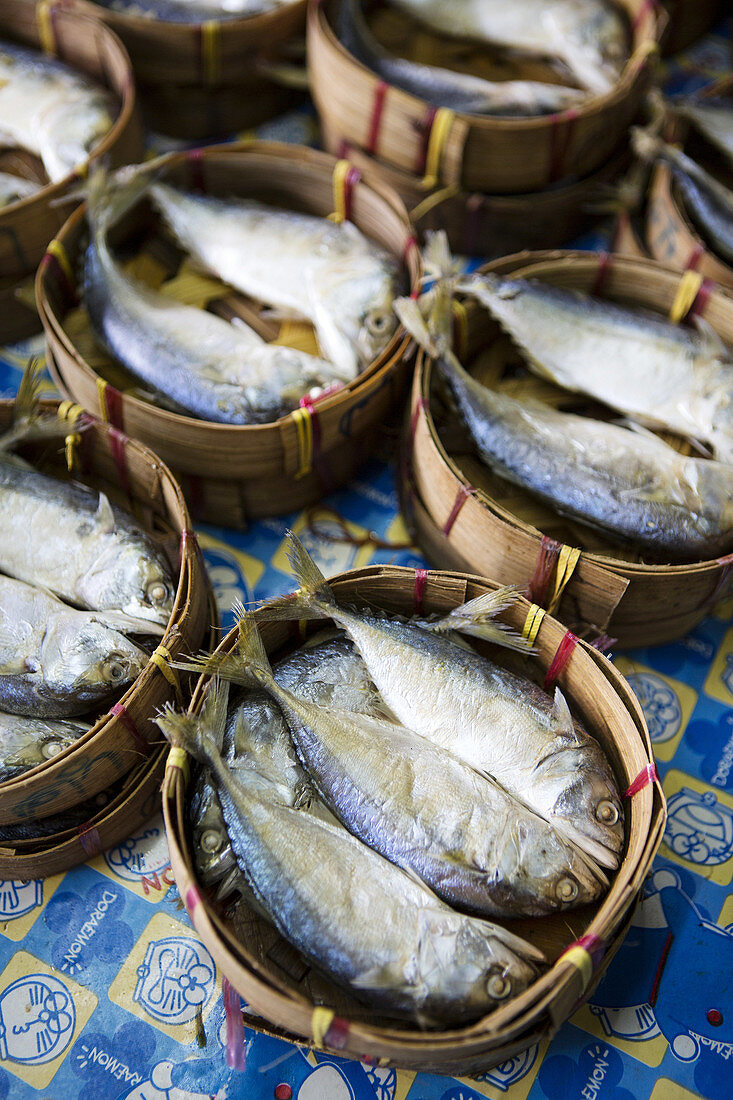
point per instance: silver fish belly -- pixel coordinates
(713, 118)
(14, 188)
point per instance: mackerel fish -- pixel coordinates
(27, 742)
(419, 960)
(712, 116)
(664, 375)
(204, 365)
(478, 847)
(302, 265)
(708, 201)
(444, 87)
(587, 37)
(498, 722)
(56, 661)
(14, 188)
(194, 11)
(50, 110)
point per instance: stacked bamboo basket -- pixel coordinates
(286, 998)
(27, 226)
(113, 772)
(494, 184)
(234, 474)
(206, 80)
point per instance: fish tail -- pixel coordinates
(109, 197)
(200, 735)
(478, 618)
(313, 600)
(28, 422)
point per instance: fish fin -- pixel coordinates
(313, 584)
(477, 619)
(200, 735)
(227, 666)
(104, 517)
(712, 340)
(410, 315)
(28, 422)
(109, 197)
(564, 718)
(127, 624)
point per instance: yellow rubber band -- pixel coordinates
(688, 289)
(210, 55)
(69, 410)
(461, 319)
(45, 27)
(321, 1021)
(581, 960)
(71, 445)
(567, 560)
(533, 622)
(304, 431)
(178, 758)
(438, 136)
(340, 174)
(161, 658)
(57, 250)
(431, 201)
(102, 399)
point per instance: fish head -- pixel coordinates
(353, 312)
(131, 578)
(212, 851)
(93, 660)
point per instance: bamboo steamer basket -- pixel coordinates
(285, 998)
(27, 226)
(490, 225)
(132, 803)
(687, 20)
(200, 80)
(119, 739)
(473, 153)
(465, 518)
(233, 474)
(18, 317)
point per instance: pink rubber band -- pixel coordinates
(647, 775)
(236, 1051)
(561, 658)
(421, 581)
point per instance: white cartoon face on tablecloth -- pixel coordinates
(144, 853)
(18, 897)
(175, 979)
(37, 1019)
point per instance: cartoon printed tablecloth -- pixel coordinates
(104, 985)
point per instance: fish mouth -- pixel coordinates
(158, 616)
(589, 846)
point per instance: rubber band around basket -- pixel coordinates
(533, 622)
(647, 775)
(699, 306)
(161, 658)
(694, 258)
(120, 711)
(431, 201)
(460, 328)
(110, 403)
(568, 558)
(421, 582)
(439, 130)
(328, 1029)
(345, 178)
(57, 250)
(44, 23)
(375, 119)
(605, 263)
(90, 840)
(303, 422)
(235, 1052)
(562, 655)
(210, 33)
(409, 246)
(645, 9)
(561, 135)
(464, 492)
(178, 758)
(688, 289)
(192, 898)
(117, 444)
(585, 955)
(540, 579)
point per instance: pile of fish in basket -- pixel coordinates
(409, 812)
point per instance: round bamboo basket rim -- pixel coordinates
(522, 124)
(522, 1011)
(126, 96)
(258, 21)
(278, 151)
(188, 578)
(529, 265)
(666, 191)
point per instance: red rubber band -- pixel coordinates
(647, 775)
(561, 658)
(699, 306)
(605, 263)
(117, 441)
(236, 1052)
(424, 126)
(464, 492)
(337, 1034)
(191, 900)
(540, 580)
(67, 286)
(113, 401)
(646, 7)
(89, 840)
(421, 582)
(195, 160)
(603, 643)
(695, 256)
(410, 245)
(376, 118)
(594, 945)
(143, 746)
(352, 178)
(560, 139)
(419, 407)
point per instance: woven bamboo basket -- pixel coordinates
(130, 804)
(18, 316)
(200, 80)
(27, 226)
(136, 479)
(233, 474)
(688, 20)
(473, 153)
(286, 998)
(490, 225)
(465, 518)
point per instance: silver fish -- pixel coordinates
(419, 960)
(663, 375)
(206, 366)
(58, 662)
(712, 116)
(14, 188)
(50, 110)
(27, 742)
(446, 87)
(416, 803)
(708, 201)
(194, 11)
(587, 37)
(304, 266)
(499, 723)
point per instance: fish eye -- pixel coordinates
(115, 668)
(606, 812)
(378, 322)
(51, 749)
(210, 841)
(157, 592)
(498, 987)
(566, 889)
